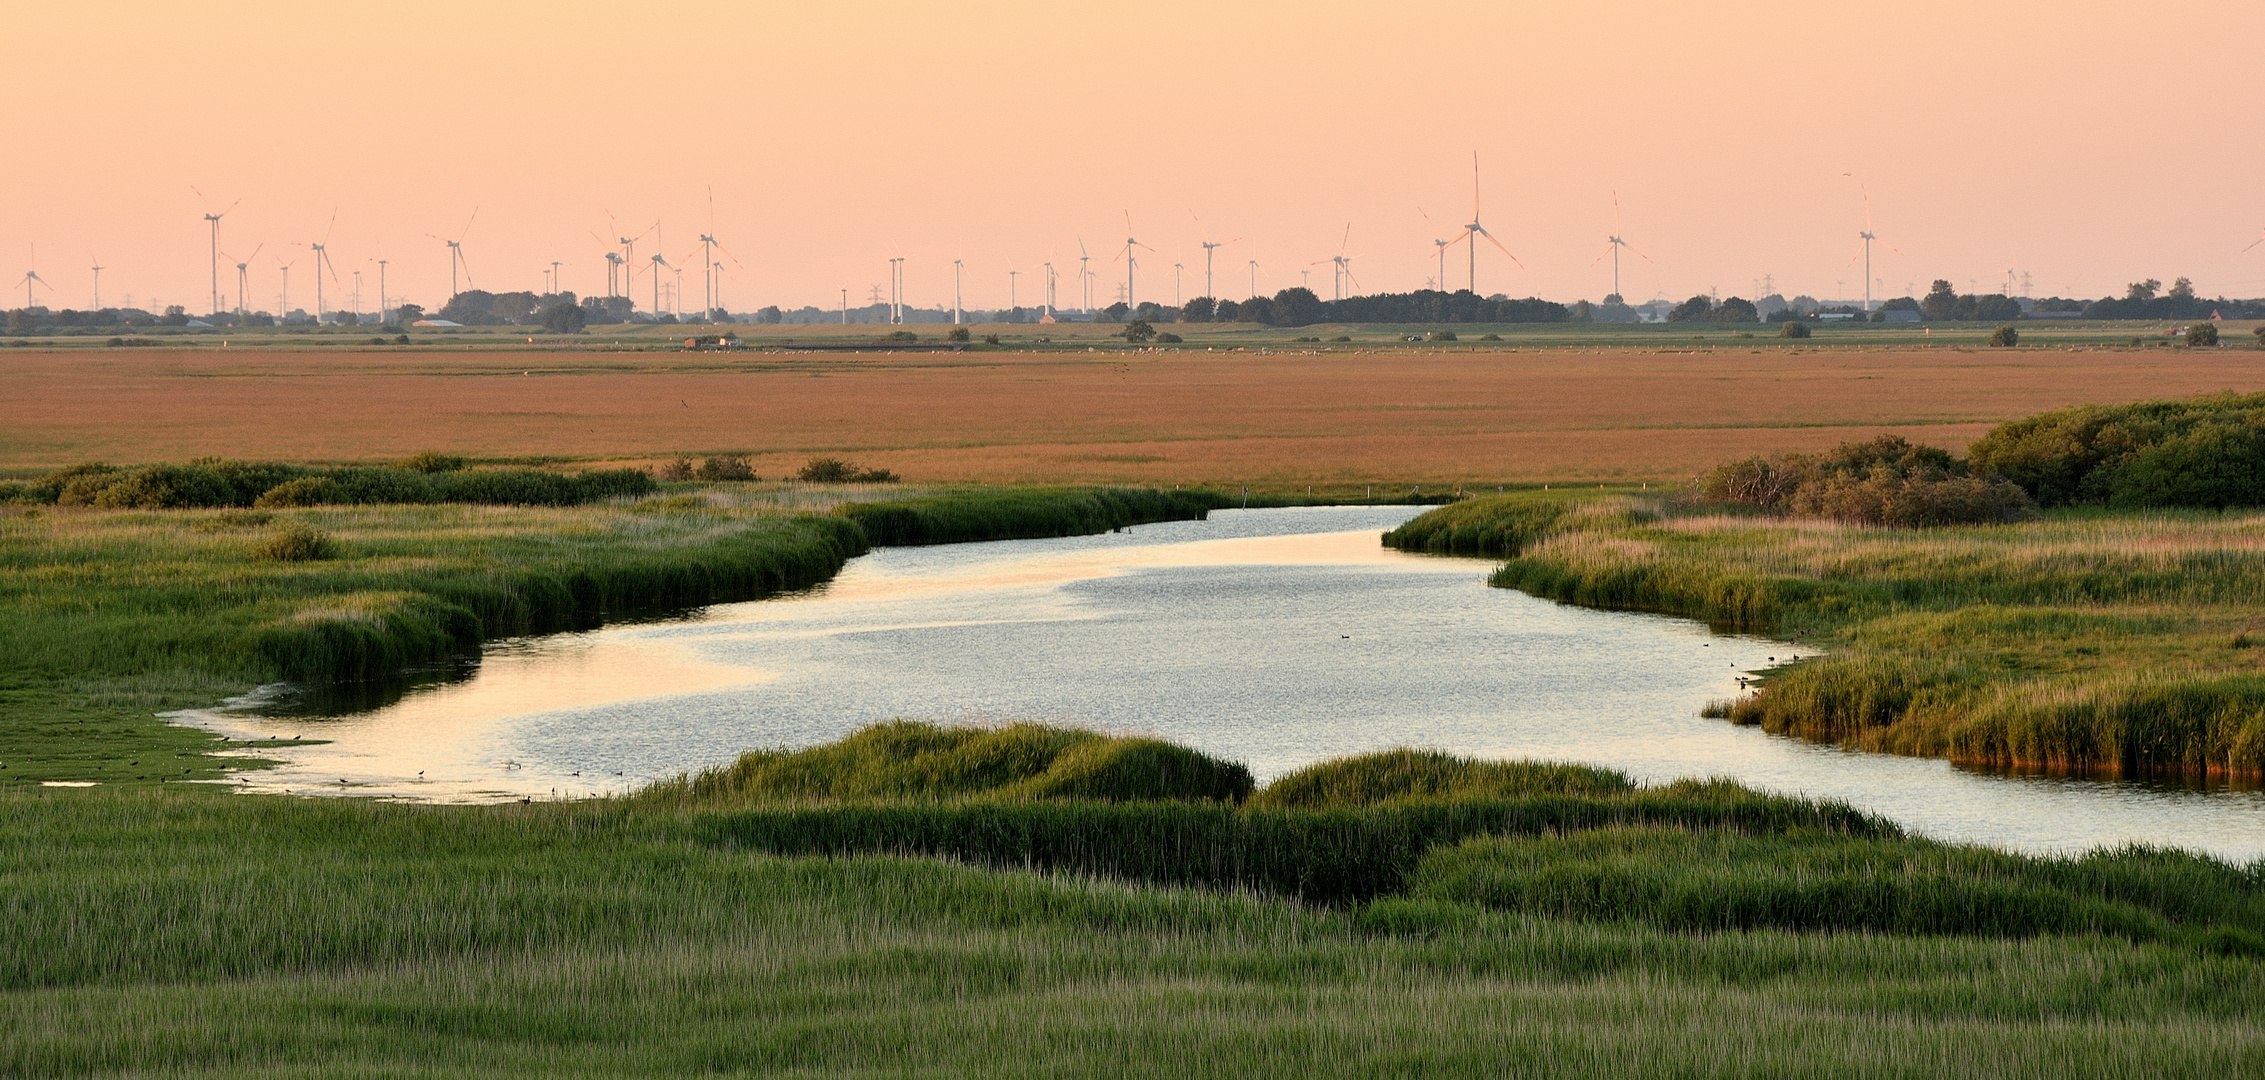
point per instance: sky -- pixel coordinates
(2086, 145)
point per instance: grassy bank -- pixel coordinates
(108, 616)
(2099, 641)
(156, 931)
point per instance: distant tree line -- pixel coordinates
(1300, 307)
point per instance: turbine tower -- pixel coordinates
(957, 267)
(1084, 276)
(1472, 231)
(214, 221)
(1868, 236)
(455, 257)
(384, 313)
(1439, 282)
(1253, 280)
(1612, 245)
(1208, 248)
(30, 278)
(322, 261)
(1051, 279)
(1340, 266)
(243, 284)
(98, 288)
(1130, 263)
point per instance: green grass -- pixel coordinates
(1025, 513)
(109, 616)
(2092, 640)
(165, 932)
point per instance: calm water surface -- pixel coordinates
(1273, 637)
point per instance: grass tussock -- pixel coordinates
(295, 542)
(1024, 513)
(1402, 775)
(915, 762)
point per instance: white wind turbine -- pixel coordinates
(98, 288)
(455, 257)
(1209, 247)
(31, 277)
(243, 283)
(1868, 236)
(1130, 261)
(322, 262)
(1340, 266)
(1612, 245)
(214, 221)
(1440, 282)
(1474, 230)
(957, 267)
(1084, 276)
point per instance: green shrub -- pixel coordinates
(723, 468)
(305, 491)
(1397, 775)
(2202, 334)
(2004, 337)
(1887, 481)
(296, 542)
(1500, 525)
(1439, 335)
(431, 462)
(1793, 328)
(957, 333)
(2207, 451)
(1169, 338)
(829, 470)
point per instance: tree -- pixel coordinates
(1793, 328)
(2201, 333)
(1996, 308)
(472, 307)
(2005, 337)
(1941, 301)
(770, 316)
(1227, 311)
(957, 333)
(408, 313)
(2142, 291)
(1298, 306)
(2182, 290)
(564, 318)
(1199, 309)
(1696, 309)
(1735, 310)
(1138, 331)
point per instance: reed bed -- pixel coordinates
(2091, 641)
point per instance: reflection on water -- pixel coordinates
(1273, 637)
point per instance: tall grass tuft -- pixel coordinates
(1404, 774)
(906, 760)
(1024, 513)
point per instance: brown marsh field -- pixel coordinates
(1272, 415)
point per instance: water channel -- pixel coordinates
(1273, 637)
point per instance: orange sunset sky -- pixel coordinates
(2086, 144)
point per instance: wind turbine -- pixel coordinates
(1868, 235)
(455, 257)
(2260, 240)
(214, 221)
(31, 277)
(1613, 244)
(1130, 262)
(1208, 248)
(1340, 266)
(384, 313)
(1253, 279)
(1051, 278)
(243, 282)
(1013, 308)
(1084, 277)
(658, 263)
(322, 262)
(98, 288)
(283, 299)
(957, 267)
(1442, 245)
(1474, 230)
(1176, 301)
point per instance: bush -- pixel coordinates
(902, 335)
(2004, 337)
(1169, 338)
(2202, 334)
(957, 333)
(679, 469)
(1887, 481)
(1138, 331)
(1440, 335)
(305, 491)
(431, 462)
(1793, 328)
(296, 542)
(2203, 452)
(724, 468)
(836, 471)
(564, 318)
